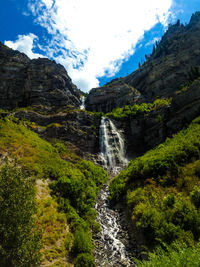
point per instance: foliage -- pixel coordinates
(162, 189)
(161, 163)
(136, 110)
(84, 260)
(56, 237)
(80, 185)
(192, 76)
(19, 237)
(97, 114)
(178, 254)
(195, 196)
(54, 125)
(75, 182)
(82, 242)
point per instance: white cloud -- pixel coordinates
(92, 38)
(153, 41)
(24, 44)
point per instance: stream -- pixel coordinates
(113, 244)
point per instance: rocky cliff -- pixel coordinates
(26, 82)
(115, 94)
(148, 131)
(165, 70)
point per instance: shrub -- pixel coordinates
(19, 237)
(84, 260)
(195, 196)
(177, 255)
(82, 242)
(136, 110)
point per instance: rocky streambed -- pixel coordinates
(114, 245)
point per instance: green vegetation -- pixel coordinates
(176, 255)
(97, 114)
(163, 195)
(54, 125)
(56, 238)
(19, 237)
(75, 184)
(192, 76)
(136, 110)
(84, 260)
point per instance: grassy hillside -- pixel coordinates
(74, 186)
(162, 191)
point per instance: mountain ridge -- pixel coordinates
(164, 71)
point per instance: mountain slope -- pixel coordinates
(165, 70)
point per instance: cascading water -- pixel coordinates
(111, 146)
(111, 242)
(82, 106)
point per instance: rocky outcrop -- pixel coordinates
(148, 131)
(165, 70)
(78, 128)
(115, 94)
(170, 63)
(26, 82)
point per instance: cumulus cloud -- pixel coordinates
(25, 44)
(92, 38)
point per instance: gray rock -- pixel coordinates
(26, 82)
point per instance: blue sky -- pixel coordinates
(96, 40)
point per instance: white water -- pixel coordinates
(82, 106)
(112, 149)
(110, 250)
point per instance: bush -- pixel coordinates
(177, 255)
(19, 237)
(136, 110)
(84, 260)
(82, 242)
(195, 196)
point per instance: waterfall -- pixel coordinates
(112, 244)
(112, 148)
(82, 106)
(112, 248)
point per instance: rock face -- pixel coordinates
(115, 94)
(146, 132)
(164, 71)
(169, 65)
(26, 82)
(79, 129)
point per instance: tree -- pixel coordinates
(154, 49)
(19, 236)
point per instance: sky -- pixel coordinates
(95, 40)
